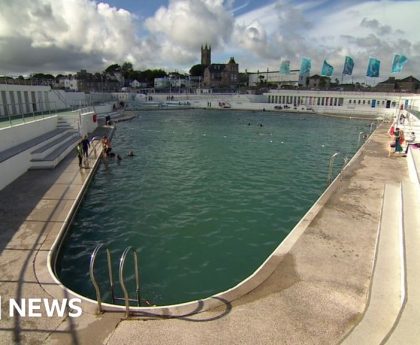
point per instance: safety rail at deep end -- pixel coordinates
(121, 276)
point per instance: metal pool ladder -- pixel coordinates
(121, 277)
(330, 167)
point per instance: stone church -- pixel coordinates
(218, 75)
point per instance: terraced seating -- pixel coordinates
(406, 330)
(30, 144)
(386, 292)
(393, 309)
(52, 154)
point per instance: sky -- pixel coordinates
(65, 36)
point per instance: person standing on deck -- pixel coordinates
(397, 137)
(85, 146)
(79, 150)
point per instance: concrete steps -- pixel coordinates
(387, 292)
(392, 315)
(407, 330)
(413, 159)
(56, 154)
(50, 152)
(50, 145)
(69, 120)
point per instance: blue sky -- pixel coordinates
(64, 36)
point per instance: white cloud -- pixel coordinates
(191, 23)
(94, 32)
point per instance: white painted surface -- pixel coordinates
(87, 123)
(12, 136)
(12, 168)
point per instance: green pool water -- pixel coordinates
(206, 199)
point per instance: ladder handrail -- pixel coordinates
(330, 166)
(360, 134)
(92, 276)
(111, 279)
(125, 298)
(121, 278)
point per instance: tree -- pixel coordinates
(111, 69)
(127, 69)
(149, 75)
(42, 76)
(197, 70)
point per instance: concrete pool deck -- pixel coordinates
(315, 295)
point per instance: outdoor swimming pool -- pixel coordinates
(205, 200)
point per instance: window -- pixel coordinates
(349, 101)
(19, 96)
(364, 102)
(12, 102)
(358, 102)
(4, 101)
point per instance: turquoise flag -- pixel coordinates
(305, 67)
(348, 65)
(398, 63)
(327, 69)
(285, 67)
(373, 67)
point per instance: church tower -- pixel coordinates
(206, 55)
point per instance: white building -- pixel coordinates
(135, 84)
(168, 82)
(161, 83)
(292, 79)
(71, 84)
(343, 102)
(24, 99)
(32, 99)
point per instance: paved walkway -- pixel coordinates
(315, 295)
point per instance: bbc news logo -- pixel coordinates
(43, 307)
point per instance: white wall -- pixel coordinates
(104, 108)
(12, 136)
(87, 125)
(17, 165)
(12, 168)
